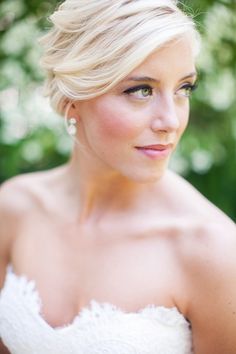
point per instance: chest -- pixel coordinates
(69, 272)
(99, 328)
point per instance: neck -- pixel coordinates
(98, 191)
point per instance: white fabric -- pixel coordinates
(100, 328)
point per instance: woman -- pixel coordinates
(112, 252)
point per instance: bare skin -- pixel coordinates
(96, 228)
(144, 261)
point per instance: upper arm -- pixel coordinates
(12, 205)
(212, 304)
(5, 208)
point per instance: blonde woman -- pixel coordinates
(113, 252)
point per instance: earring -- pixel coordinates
(72, 126)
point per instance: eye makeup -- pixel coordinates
(145, 88)
(189, 88)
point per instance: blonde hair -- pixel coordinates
(94, 44)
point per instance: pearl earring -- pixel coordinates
(72, 126)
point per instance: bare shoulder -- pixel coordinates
(11, 190)
(20, 197)
(18, 193)
(13, 204)
(209, 266)
(206, 250)
(16, 199)
(29, 190)
(192, 203)
(209, 250)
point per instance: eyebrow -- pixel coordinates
(150, 79)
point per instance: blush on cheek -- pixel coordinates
(115, 121)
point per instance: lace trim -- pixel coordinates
(24, 288)
(27, 292)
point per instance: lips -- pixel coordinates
(156, 151)
(157, 147)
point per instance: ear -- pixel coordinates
(71, 109)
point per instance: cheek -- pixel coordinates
(116, 121)
(184, 117)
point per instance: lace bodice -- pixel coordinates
(100, 328)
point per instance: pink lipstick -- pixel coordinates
(157, 151)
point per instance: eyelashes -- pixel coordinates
(189, 88)
(192, 86)
(143, 91)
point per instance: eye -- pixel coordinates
(140, 92)
(187, 89)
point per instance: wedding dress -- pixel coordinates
(100, 328)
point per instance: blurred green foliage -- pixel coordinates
(32, 137)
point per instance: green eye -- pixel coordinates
(142, 91)
(187, 90)
(146, 92)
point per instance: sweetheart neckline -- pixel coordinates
(93, 306)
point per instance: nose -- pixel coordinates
(165, 117)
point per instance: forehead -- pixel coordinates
(174, 60)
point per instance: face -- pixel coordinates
(134, 128)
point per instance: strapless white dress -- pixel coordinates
(100, 328)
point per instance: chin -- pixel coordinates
(146, 177)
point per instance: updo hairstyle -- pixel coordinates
(94, 44)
